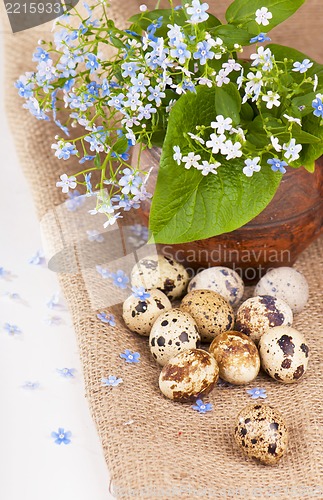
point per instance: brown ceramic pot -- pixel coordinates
(276, 237)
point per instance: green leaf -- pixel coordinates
(97, 161)
(120, 146)
(228, 102)
(145, 19)
(187, 205)
(243, 13)
(175, 17)
(311, 152)
(117, 42)
(304, 102)
(231, 35)
(303, 137)
(281, 52)
(247, 113)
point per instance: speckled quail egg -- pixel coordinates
(173, 332)
(237, 357)
(188, 375)
(160, 272)
(287, 284)
(222, 280)
(257, 314)
(261, 433)
(140, 315)
(284, 354)
(212, 313)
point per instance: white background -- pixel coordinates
(32, 466)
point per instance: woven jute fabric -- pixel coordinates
(155, 448)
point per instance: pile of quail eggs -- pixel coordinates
(242, 339)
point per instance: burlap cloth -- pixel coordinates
(153, 447)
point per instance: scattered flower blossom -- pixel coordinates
(4, 273)
(12, 329)
(109, 319)
(66, 372)
(120, 279)
(257, 393)
(30, 386)
(38, 259)
(140, 293)
(111, 381)
(104, 273)
(130, 357)
(61, 436)
(53, 320)
(202, 407)
(94, 235)
(54, 302)
(13, 296)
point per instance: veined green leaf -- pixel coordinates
(228, 102)
(231, 35)
(242, 13)
(187, 205)
(281, 52)
(311, 152)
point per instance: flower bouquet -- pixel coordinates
(176, 79)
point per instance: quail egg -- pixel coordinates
(287, 284)
(284, 354)
(188, 375)
(257, 314)
(172, 332)
(140, 314)
(261, 433)
(222, 280)
(160, 272)
(237, 357)
(212, 313)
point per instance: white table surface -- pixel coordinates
(32, 466)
